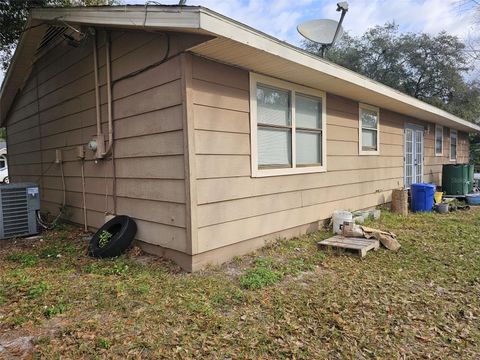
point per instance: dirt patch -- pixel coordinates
(16, 348)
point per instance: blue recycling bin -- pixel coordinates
(422, 197)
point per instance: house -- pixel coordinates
(213, 136)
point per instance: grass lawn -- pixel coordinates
(286, 301)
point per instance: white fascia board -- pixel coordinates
(227, 28)
(128, 16)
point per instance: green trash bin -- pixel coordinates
(471, 182)
(455, 179)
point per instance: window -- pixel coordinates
(438, 140)
(369, 134)
(288, 128)
(453, 144)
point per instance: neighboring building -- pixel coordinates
(3, 163)
(223, 137)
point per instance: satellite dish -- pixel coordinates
(324, 31)
(321, 31)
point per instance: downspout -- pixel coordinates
(109, 95)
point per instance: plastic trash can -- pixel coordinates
(422, 197)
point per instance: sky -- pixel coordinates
(280, 18)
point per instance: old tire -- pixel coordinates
(123, 230)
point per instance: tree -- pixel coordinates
(13, 16)
(428, 67)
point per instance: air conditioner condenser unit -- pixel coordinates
(19, 203)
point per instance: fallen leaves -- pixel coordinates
(420, 302)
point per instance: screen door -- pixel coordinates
(413, 155)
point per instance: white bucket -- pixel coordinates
(339, 216)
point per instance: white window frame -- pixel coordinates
(293, 88)
(453, 131)
(360, 144)
(438, 127)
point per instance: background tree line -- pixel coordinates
(432, 68)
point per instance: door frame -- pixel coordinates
(415, 128)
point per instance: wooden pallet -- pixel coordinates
(352, 245)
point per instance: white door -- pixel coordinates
(413, 155)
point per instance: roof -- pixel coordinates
(233, 43)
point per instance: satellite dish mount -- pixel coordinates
(324, 32)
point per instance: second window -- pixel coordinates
(369, 130)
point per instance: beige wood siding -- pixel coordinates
(433, 164)
(56, 110)
(233, 207)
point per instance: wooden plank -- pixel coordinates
(22, 125)
(81, 86)
(61, 58)
(339, 103)
(165, 96)
(69, 122)
(225, 211)
(155, 211)
(210, 94)
(210, 118)
(79, 103)
(171, 237)
(335, 163)
(212, 142)
(63, 77)
(157, 121)
(335, 132)
(223, 189)
(170, 143)
(161, 167)
(215, 72)
(222, 166)
(216, 213)
(23, 113)
(216, 236)
(158, 75)
(151, 52)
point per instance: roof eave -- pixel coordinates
(202, 20)
(225, 27)
(23, 59)
(185, 18)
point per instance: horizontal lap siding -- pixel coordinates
(234, 207)
(433, 164)
(148, 128)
